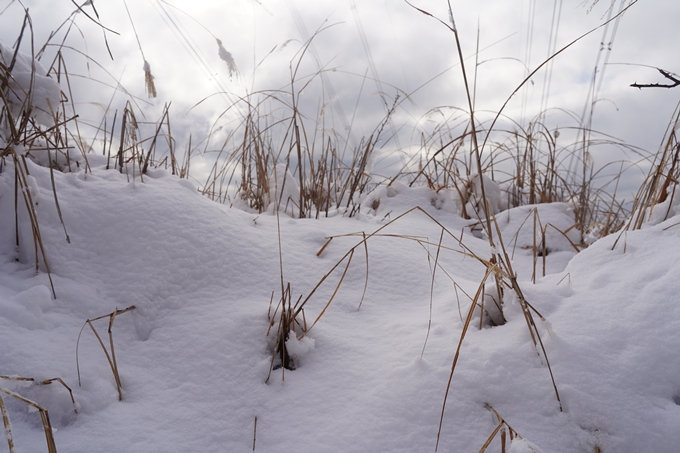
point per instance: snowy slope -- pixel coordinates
(194, 355)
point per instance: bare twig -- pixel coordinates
(672, 77)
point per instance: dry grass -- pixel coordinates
(501, 427)
(44, 417)
(284, 318)
(19, 132)
(44, 382)
(498, 267)
(276, 161)
(23, 138)
(282, 158)
(109, 353)
(662, 180)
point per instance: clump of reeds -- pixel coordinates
(328, 172)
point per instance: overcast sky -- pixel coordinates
(410, 54)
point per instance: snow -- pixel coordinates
(194, 356)
(201, 280)
(29, 87)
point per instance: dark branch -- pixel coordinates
(667, 75)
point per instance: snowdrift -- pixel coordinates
(193, 355)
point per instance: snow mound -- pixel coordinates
(30, 89)
(543, 225)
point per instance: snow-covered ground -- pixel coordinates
(194, 354)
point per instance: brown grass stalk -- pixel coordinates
(7, 425)
(21, 183)
(44, 382)
(466, 325)
(44, 417)
(110, 357)
(434, 273)
(501, 427)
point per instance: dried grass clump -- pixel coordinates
(22, 130)
(256, 170)
(276, 136)
(526, 166)
(285, 322)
